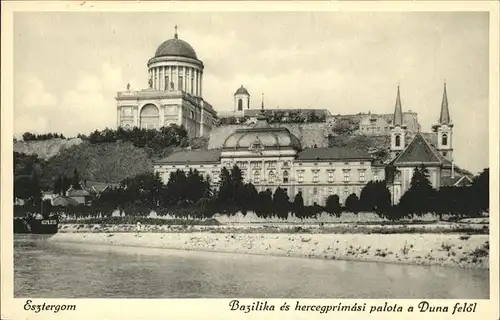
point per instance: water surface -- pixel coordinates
(55, 270)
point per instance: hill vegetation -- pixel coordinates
(106, 156)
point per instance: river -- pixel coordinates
(43, 269)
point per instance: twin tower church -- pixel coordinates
(271, 156)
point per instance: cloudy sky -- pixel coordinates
(68, 66)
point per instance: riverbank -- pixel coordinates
(453, 250)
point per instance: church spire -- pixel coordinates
(398, 111)
(176, 36)
(444, 117)
(261, 118)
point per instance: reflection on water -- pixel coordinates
(53, 270)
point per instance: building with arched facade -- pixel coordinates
(272, 157)
(174, 94)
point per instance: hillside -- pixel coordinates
(45, 149)
(106, 162)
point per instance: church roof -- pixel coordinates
(419, 151)
(398, 111)
(342, 153)
(457, 181)
(192, 156)
(444, 117)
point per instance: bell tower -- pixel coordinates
(241, 100)
(398, 128)
(444, 129)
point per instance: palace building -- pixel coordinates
(272, 157)
(174, 95)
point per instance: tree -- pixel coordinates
(481, 190)
(35, 192)
(249, 197)
(375, 197)
(280, 203)
(418, 199)
(264, 205)
(352, 203)
(333, 205)
(344, 126)
(298, 205)
(65, 184)
(57, 185)
(75, 180)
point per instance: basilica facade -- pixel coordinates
(174, 94)
(272, 157)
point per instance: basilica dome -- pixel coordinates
(176, 47)
(262, 137)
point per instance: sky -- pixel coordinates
(68, 66)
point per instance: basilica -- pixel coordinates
(272, 156)
(174, 94)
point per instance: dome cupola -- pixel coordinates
(176, 67)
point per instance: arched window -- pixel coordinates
(444, 139)
(149, 117)
(285, 176)
(240, 104)
(271, 177)
(191, 114)
(398, 140)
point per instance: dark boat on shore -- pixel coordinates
(36, 225)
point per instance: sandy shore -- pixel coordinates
(455, 250)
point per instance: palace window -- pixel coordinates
(256, 177)
(375, 174)
(315, 176)
(331, 175)
(315, 191)
(256, 165)
(271, 164)
(215, 176)
(167, 80)
(286, 164)
(362, 175)
(300, 176)
(285, 176)
(444, 139)
(192, 84)
(241, 164)
(191, 114)
(271, 178)
(346, 175)
(330, 190)
(346, 192)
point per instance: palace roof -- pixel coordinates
(342, 153)
(192, 156)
